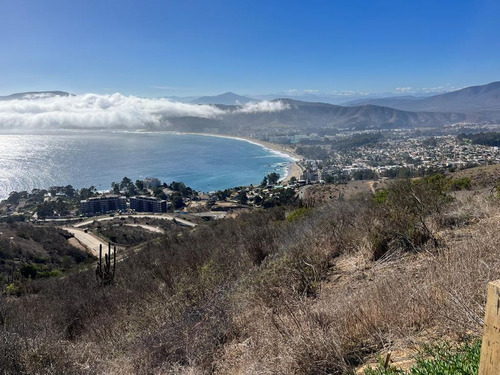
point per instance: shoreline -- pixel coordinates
(290, 168)
(293, 169)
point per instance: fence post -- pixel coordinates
(490, 348)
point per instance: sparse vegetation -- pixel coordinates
(32, 252)
(316, 291)
(438, 359)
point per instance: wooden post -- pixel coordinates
(490, 349)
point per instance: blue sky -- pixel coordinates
(160, 48)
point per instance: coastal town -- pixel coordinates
(318, 159)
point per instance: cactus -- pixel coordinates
(105, 274)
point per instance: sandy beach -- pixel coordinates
(294, 170)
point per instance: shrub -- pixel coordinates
(438, 359)
(402, 211)
(460, 184)
(298, 214)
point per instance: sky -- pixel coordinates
(192, 48)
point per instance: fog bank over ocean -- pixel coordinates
(93, 111)
(82, 159)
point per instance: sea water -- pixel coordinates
(82, 159)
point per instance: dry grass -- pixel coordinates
(260, 295)
(390, 305)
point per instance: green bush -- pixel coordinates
(460, 184)
(12, 290)
(439, 359)
(380, 196)
(402, 210)
(298, 214)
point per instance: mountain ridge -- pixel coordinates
(34, 95)
(303, 115)
(227, 98)
(479, 99)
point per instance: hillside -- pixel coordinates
(306, 290)
(34, 95)
(38, 251)
(391, 101)
(483, 99)
(305, 115)
(228, 98)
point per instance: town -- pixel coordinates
(326, 159)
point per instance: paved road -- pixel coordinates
(147, 227)
(149, 216)
(88, 240)
(213, 214)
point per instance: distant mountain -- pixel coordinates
(228, 98)
(30, 95)
(305, 115)
(349, 99)
(389, 101)
(483, 100)
(182, 99)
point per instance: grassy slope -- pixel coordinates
(260, 294)
(46, 248)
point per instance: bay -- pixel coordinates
(82, 159)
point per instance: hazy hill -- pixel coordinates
(312, 115)
(228, 98)
(390, 101)
(34, 95)
(182, 99)
(484, 99)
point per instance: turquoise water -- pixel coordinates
(204, 163)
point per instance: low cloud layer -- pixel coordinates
(275, 106)
(91, 111)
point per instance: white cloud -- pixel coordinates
(92, 111)
(96, 111)
(265, 106)
(310, 91)
(402, 90)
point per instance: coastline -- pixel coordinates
(293, 170)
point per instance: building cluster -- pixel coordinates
(103, 204)
(444, 152)
(111, 202)
(148, 204)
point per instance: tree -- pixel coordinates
(293, 180)
(14, 197)
(115, 187)
(257, 200)
(182, 188)
(264, 182)
(139, 184)
(86, 193)
(126, 182)
(242, 197)
(177, 201)
(45, 209)
(222, 195)
(69, 191)
(273, 178)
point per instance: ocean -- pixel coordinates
(82, 159)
